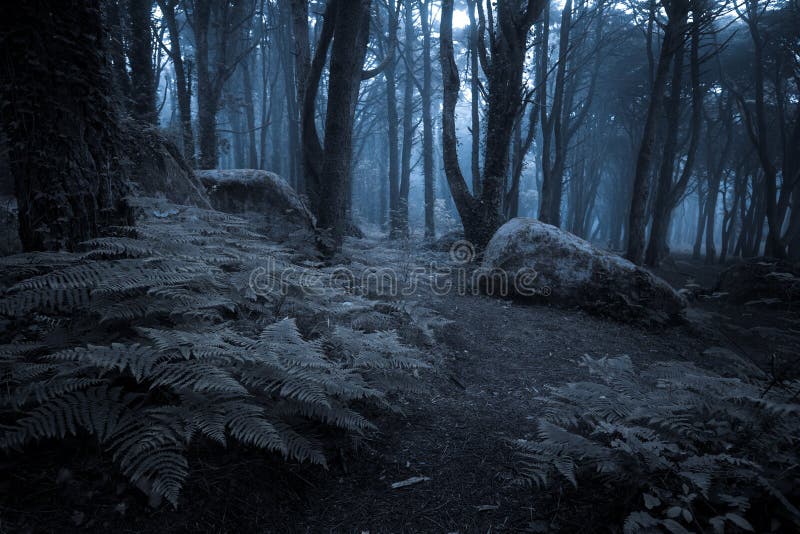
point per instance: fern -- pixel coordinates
(148, 341)
(699, 448)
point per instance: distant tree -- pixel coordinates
(183, 79)
(427, 119)
(217, 29)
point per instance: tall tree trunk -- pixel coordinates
(64, 142)
(182, 79)
(481, 215)
(760, 133)
(291, 89)
(427, 120)
(392, 141)
(408, 120)
(207, 97)
(121, 81)
(637, 217)
(351, 33)
(311, 144)
(475, 100)
(554, 131)
(250, 114)
(662, 205)
(140, 54)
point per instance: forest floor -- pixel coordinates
(492, 359)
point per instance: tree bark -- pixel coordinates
(140, 54)
(65, 145)
(182, 80)
(475, 99)
(392, 141)
(408, 120)
(350, 36)
(427, 120)
(637, 218)
(481, 215)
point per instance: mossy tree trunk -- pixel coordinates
(63, 136)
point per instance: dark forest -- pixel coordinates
(380, 266)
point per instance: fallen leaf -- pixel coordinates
(487, 507)
(409, 482)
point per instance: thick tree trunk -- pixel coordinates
(351, 33)
(67, 176)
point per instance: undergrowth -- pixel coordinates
(680, 448)
(156, 337)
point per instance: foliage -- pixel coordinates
(156, 337)
(682, 447)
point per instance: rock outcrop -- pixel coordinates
(261, 192)
(542, 262)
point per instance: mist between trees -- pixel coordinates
(642, 126)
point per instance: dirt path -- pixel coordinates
(494, 359)
(497, 356)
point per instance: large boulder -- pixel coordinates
(540, 261)
(261, 192)
(761, 281)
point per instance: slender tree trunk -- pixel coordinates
(291, 89)
(182, 80)
(408, 120)
(554, 132)
(701, 224)
(392, 141)
(637, 218)
(250, 114)
(140, 54)
(760, 137)
(662, 207)
(427, 120)
(475, 100)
